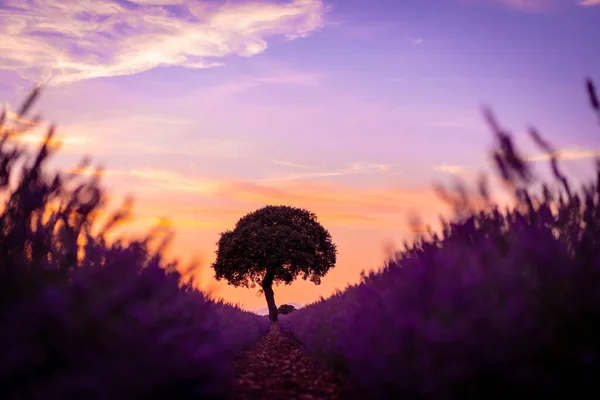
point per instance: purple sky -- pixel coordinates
(206, 110)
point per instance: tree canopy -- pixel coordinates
(274, 244)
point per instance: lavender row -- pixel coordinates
(84, 317)
(498, 303)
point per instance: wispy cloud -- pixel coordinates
(153, 179)
(195, 196)
(565, 154)
(99, 137)
(589, 3)
(70, 40)
(330, 196)
(204, 218)
(316, 172)
(529, 5)
(274, 77)
(418, 41)
(542, 5)
(569, 153)
(292, 164)
(450, 169)
(175, 182)
(458, 122)
(70, 142)
(13, 119)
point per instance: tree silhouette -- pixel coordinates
(272, 245)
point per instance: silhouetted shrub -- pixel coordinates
(285, 309)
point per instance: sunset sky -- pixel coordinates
(207, 110)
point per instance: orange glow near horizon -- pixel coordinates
(363, 224)
(365, 220)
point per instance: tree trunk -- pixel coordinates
(267, 286)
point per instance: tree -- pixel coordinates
(274, 244)
(285, 309)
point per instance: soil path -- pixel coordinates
(276, 369)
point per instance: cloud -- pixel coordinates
(458, 122)
(565, 154)
(543, 5)
(204, 201)
(274, 77)
(99, 136)
(315, 172)
(70, 40)
(175, 182)
(530, 5)
(417, 41)
(332, 197)
(569, 153)
(69, 142)
(450, 169)
(13, 117)
(292, 165)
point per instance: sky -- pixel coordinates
(207, 110)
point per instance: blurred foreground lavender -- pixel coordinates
(82, 317)
(499, 304)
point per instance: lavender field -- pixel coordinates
(82, 316)
(499, 303)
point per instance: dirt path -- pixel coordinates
(276, 369)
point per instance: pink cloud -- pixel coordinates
(52, 38)
(535, 5)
